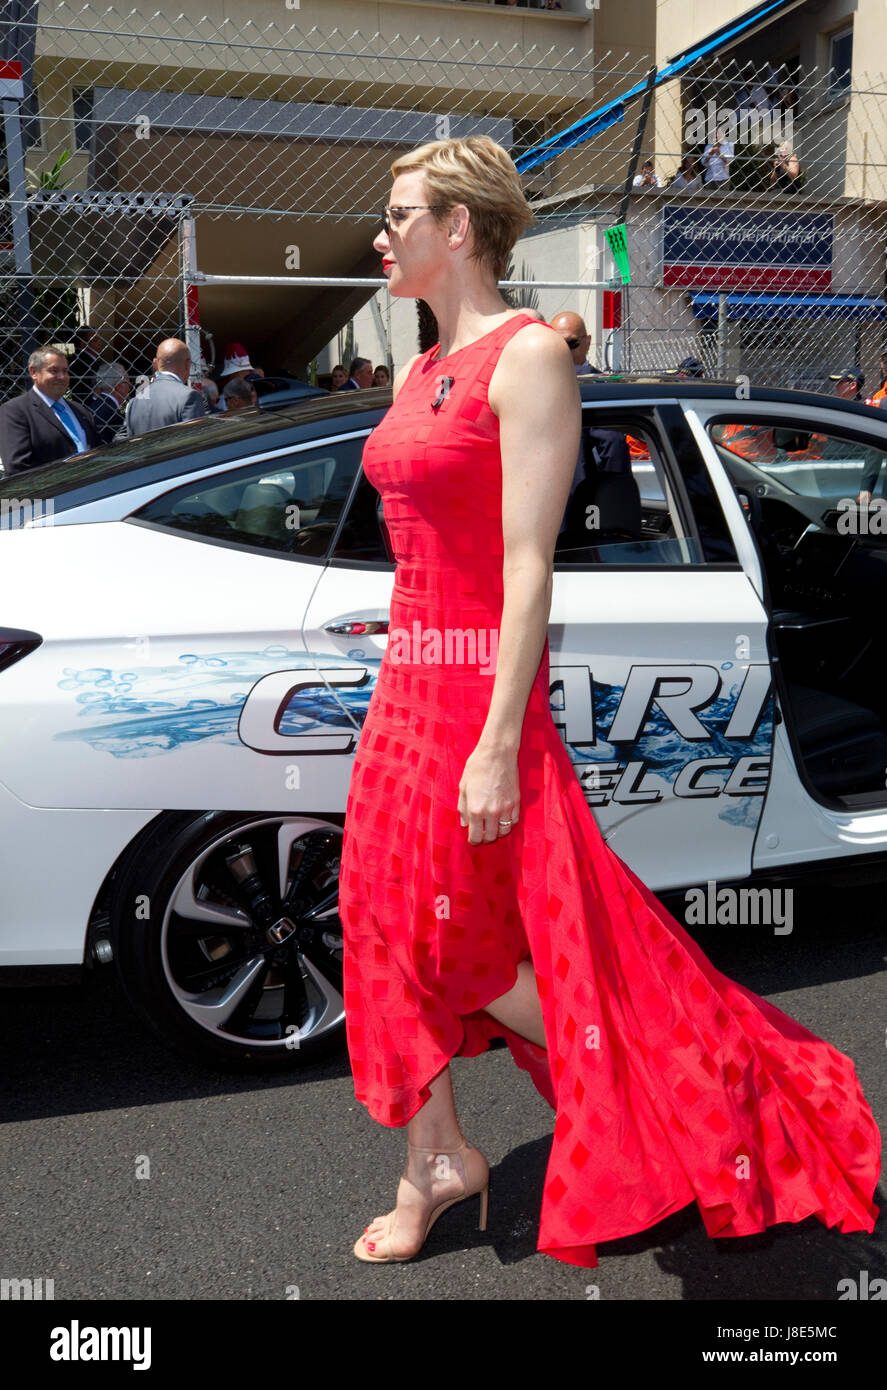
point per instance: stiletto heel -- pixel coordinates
(479, 1183)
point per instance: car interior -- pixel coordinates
(292, 510)
(619, 518)
(296, 509)
(825, 560)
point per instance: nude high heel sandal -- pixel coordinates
(475, 1176)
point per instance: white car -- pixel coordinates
(190, 628)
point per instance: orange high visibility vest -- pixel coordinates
(752, 442)
(636, 449)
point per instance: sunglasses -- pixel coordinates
(404, 208)
(574, 342)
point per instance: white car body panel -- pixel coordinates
(181, 674)
(55, 862)
(663, 622)
(149, 654)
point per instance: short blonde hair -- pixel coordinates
(481, 174)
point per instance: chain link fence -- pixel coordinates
(265, 151)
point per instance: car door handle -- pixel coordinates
(353, 627)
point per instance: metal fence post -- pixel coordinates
(722, 335)
(21, 237)
(190, 294)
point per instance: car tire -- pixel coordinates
(227, 939)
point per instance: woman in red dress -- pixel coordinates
(477, 895)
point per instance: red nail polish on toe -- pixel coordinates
(370, 1245)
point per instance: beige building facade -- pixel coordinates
(276, 129)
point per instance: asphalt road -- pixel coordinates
(259, 1186)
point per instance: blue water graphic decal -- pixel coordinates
(199, 699)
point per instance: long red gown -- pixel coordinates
(670, 1082)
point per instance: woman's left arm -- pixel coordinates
(535, 394)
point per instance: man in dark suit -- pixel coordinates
(39, 426)
(603, 476)
(87, 359)
(167, 398)
(108, 399)
(360, 375)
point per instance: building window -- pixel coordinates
(840, 62)
(82, 106)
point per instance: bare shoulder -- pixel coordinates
(535, 353)
(402, 375)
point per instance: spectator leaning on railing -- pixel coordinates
(716, 160)
(688, 178)
(786, 170)
(647, 178)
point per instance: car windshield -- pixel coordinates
(52, 479)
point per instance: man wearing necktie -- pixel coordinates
(40, 426)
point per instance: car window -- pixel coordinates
(363, 537)
(812, 463)
(623, 510)
(288, 505)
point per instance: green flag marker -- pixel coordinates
(618, 244)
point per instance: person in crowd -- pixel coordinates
(600, 452)
(108, 399)
(578, 339)
(236, 363)
(360, 375)
(849, 384)
(39, 426)
(381, 376)
(786, 169)
(881, 392)
(759, 97)
(168, 398)
(741, 102)
(211, 391)
(647, 178)
(87, 357)
(688, 178)
(716, 159)
(784, 100)
(239, 394)
(757, 443)
(690, 367)
(338, 377)
(870, 477)
(869, 482)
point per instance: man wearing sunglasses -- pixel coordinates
(574, 333)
